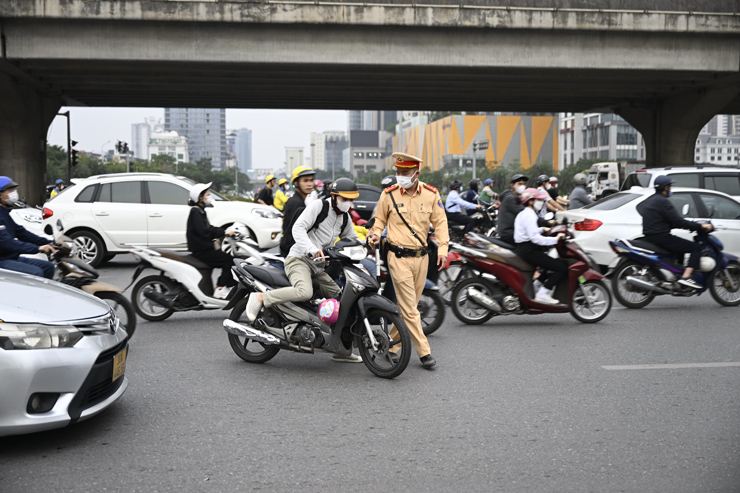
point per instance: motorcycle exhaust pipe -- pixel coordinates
(160, 299)
(645, 286)
(242, 330)
(484, 301)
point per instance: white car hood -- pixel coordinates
(26, 299)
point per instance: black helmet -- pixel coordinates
(388, 181)
(474, 184)
(518, 177)
(541, 179)
(661, 182)
(455, 185)
(345, 188)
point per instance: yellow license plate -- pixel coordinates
(119, 364)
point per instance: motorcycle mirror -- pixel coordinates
(685, 209)
(550, 216)
(370, 223)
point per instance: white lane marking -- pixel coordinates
(672, 366)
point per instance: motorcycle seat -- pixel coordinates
(274, 277)
(185, 257)
(646, 245)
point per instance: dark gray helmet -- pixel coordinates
(388, 181)
(455, 185)
(661, 182)
(519, 177)
(541, 179)
(345, 187)
(474, 184)
(579, 179)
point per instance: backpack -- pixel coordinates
(287, 241)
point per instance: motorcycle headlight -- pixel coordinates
(267, 213)
(37, 336)
(358, 282)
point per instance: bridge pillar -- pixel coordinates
(25, 116)
(670, 127)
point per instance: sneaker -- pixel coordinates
(543, 296)
(351, 358)
(689, 283)
(537, 285)
(222, 293)
(253, 307)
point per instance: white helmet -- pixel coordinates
(197, 190)
(707, 264)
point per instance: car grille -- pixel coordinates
(98, 385)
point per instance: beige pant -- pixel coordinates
(409, 277)
(299, 273)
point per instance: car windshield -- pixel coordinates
(613, 201)
(215, 195)
(640, 179)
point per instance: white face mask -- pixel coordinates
(344, 205)
(538, 204)
(547, 186)
(406, 181)
(209, 201)
(520, 189)
(12, 198)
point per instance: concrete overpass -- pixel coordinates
(667, 66)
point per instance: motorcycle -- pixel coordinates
(645, 271)
(78, 274)
(364, 317)
(184, 283)
(506, 287)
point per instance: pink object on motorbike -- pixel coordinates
(329, 311)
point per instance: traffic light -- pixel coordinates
(74, 152)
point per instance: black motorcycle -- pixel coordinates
(365, 318)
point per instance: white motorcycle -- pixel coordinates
(185, 283)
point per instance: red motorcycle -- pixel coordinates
(505, 286)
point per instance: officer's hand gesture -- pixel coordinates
(373, 239)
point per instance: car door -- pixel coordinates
(121, 213)
(366, 202)
(167, 214)
(725, 215)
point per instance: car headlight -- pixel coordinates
(267, 213)
(37, 336)
(356, 253)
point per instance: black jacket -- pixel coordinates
(16, 240)
(507, 212)
(266, 196)
(660, 217)
(200, 234)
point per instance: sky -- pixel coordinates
(97, 129)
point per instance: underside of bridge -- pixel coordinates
(667, 84)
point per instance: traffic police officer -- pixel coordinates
(407, 208)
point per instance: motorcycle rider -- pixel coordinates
(58, 187)
(554, 193)
(487, 194)
(280, 197)
(529, 243)
(454, 204)
(473, 195)
(510, 207)
(302, 181)
(579, 196)
(265, 196)
(659, 217)
(16, 240)
(543, 185)
(201, 235)
(306, 261)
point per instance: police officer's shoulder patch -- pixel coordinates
(429, 187)
(391, 188)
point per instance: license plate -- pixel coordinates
(119, 364)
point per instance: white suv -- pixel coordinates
(107, 214)
(725, 180)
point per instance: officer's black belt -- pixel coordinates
(407, 252)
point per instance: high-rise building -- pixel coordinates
(243, 149)
(205, 129)
(170, 144)
(354, 120)
(598, 136)
(293, 159)
(140, 133)
(331, 141)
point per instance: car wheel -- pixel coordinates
(89, 247)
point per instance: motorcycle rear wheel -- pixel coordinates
(122, 306)
(247, 349)
(627, 295)
(146, 308)
(724, 285)
(594, 309)
(431, 310)
(465, 309)
(380, 362)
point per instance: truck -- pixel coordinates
(605, 178)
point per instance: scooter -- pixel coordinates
(364, 317)
(79, 274)
(506, 286)
(645, 271)
(184, 283)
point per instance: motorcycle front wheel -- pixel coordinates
(464, 308)
(627, 295)
(432, 311)
(247, 349)
(146, 308)
(725, 285)
(591, 302)
(123, 309)
(380, 360)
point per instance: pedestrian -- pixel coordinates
(265, 196)
(407, 209)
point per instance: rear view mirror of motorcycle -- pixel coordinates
(370, 223)
(686, 208)
(550, 216)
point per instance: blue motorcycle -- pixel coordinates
(645, 271)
